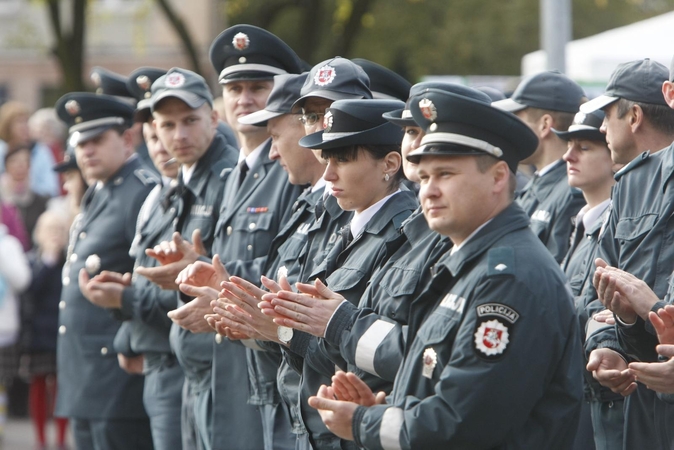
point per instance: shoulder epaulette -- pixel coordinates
(500, 261)
(146, 177)
(639, 160)
(224, 173)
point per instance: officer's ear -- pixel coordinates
(545, 125)
(635, 117)
(668, 93)
(501, 176)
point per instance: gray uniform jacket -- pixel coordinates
(346, 270)
(371, 336)
(250, 218)
(195, 206)
(496, 364)
(91, 384)
(144, 304)
(638, 240)
(551, 204)
(578, 265)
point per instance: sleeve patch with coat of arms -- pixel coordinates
(493, 330)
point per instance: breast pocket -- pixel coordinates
(630, 232)
(396, 285)
(292, 249)
(205, 225)
(345, 280)
(254, 232)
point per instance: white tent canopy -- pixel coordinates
(593, 59)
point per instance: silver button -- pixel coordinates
(255, 175)
(62, 329)
(62, 304)
(118, 181)
(73, 258)
(229, 231)
(104, 351)
(218, 338)
(242, 60)
(66, 281)
(251, 226)
(172, 210)
(83, 235)
(250, 247)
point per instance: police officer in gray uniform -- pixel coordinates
(104, 402)
(186, 123)
(590, 169)
(545, 101)
(257, 203)
(142, 305)
(463, 382)
(636, 236)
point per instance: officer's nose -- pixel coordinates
(273, 152)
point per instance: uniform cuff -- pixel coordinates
(300, 342)
(355, 424)
(615, 346)
(128, 301)
(340, 321)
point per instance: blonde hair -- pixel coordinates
(9, 112)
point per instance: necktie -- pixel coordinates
(243, 170)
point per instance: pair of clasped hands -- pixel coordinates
(627, 298)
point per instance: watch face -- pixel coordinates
(285, 334)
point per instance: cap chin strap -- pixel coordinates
(453, 138)
(96, 123)
(250, 68)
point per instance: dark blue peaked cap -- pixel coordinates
(403, 117)
(246, 52)
(463, 122)
(384, 83)
(109, 83)
(356, 122)
(139, 84)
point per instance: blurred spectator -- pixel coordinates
(15, 188)
(45, 127)
(14, 278)
(14, 133)
(11, 218)
(40, 313)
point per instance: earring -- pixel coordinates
(386, 176)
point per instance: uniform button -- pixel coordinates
(251, 226)
(218, 338)
(73, 258)
(229, 231)
(250, 247)
(66, 281)
(83, 235)
(104, 351)
(118, 181)
(62, 304)
(172, 210)
(255, 175)
(62, 329)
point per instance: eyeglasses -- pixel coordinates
(310, 118)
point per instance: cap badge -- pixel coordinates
(143, 81)
(324, 76)
(327, 121)
(92, 264)
(240, 41)
(579, 118)
(428, 109)
(430, 361)
(96, 79)
(73, 107)
(175, 80)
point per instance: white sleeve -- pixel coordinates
(14, 266)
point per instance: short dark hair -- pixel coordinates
(485, 162)
(660, 116)
(377, 152)
(561, 120)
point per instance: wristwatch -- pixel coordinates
(284, 334)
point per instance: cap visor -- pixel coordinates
(192, 100)
(509, 105)
(259, 118)
(442, 150)
(395, 117)
(65, 166)
(597, 103)
(384, 134)
(589, 135)
(330, 95)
